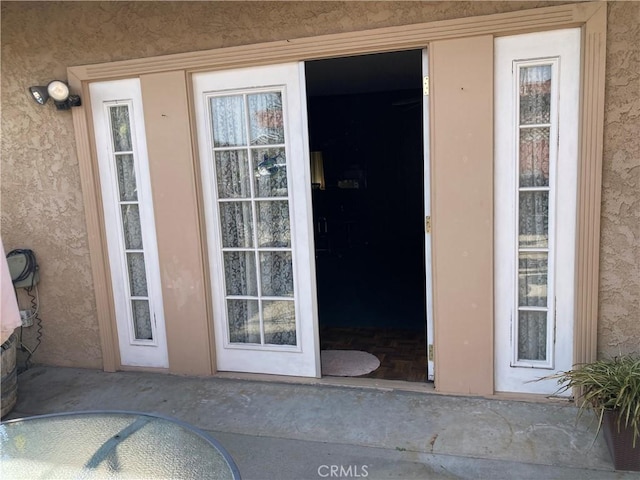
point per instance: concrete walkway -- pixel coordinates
(292, 431)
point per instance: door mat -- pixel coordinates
(347, 363)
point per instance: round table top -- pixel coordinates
(109, 445)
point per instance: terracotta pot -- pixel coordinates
(620, 443)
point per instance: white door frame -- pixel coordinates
(426, 129)
(561, 50)
(133, 351)
(303, 359)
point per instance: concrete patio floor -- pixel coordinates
(277, 430)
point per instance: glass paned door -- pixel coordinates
(129, 222)
(252, 141)
(537, 78)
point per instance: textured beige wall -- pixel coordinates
(619, 329)
(462, 199)
(41, 202)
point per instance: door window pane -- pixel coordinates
(237, 225)
(126, 178)
(121, 128)
(276, 274)
(131, 226)
(240, 273)
(532, 335)
(270, 172)
(534, 219)
(141, 320)
(227, 115)
(274, 229)
(279, 322)
(244, 321)
(534, 157)
(266, 119)
(137, 274)
(535, 94)
(232, 174)
(532, 279)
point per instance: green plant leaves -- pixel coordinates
(607, 385)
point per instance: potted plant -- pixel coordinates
(611, 388)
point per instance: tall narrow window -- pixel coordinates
(125, 183)
(142, 328)
(535, 86)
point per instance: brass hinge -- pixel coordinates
(425, 86)
(430, 353)
(427, 224)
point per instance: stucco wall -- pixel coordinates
(41, 199)
(619, 330)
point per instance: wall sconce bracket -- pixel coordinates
(58, 91)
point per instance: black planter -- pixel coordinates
(620, 443)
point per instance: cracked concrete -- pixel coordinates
(278, 430)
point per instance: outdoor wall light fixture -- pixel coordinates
(59, 92)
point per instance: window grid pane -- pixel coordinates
(532, 281)
(270, 175)
(533, 219)
(130, 222)
(534, 157)
(121, 128)
(228, 119)
(279, 322)
(232, 172)
(535, 94)
(126, 178)
(251, 173)
(532, 336)
(534, 202)
(142, 320)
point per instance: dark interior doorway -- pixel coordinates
(365, 117)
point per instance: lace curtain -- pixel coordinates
(533, 207)
(130, 218)
(251, 178)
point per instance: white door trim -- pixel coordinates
(426, 135)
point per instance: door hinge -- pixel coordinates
(430, 353)
(425, 86)
(427, 224)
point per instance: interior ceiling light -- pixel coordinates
(59, 92)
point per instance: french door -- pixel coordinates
(537, 80)
(252, 138)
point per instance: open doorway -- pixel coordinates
(366, 121)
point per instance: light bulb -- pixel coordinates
(58, 91)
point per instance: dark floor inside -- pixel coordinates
(401, 352)
(375, 307)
